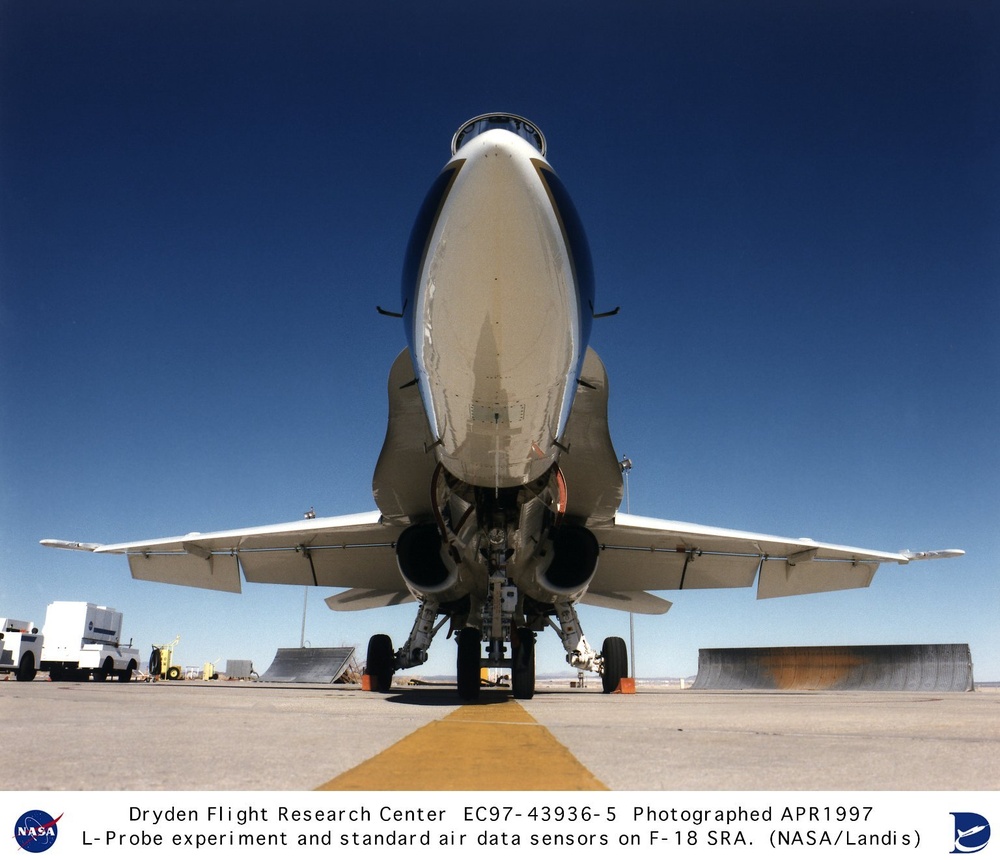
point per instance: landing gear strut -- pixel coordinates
(495, 614)
(611, 664)
(469, 652)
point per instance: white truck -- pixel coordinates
(83, 639)
(20, 648)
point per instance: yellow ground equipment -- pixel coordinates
(160, 662)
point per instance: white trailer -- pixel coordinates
(20, 648)
(83, 639)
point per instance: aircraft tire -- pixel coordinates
(615, 655)
(522, 672)
(381, 663)
(470, 651)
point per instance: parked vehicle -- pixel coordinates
(83, 640)
(20, 648)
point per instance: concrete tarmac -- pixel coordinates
(241, 735)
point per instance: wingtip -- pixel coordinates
(932, 554)
(69, 544)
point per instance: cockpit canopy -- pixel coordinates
(509, 122)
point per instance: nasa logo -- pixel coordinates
(972, 832)
(36, 831)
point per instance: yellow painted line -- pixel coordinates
(495, 746)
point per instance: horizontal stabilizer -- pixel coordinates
(367, 598)
(639, 602)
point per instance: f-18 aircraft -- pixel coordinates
(498, 486)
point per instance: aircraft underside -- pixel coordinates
(497, 566)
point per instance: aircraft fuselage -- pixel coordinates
(497, 292)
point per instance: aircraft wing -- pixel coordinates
(641, 553)
(356, 551)
(638, 554)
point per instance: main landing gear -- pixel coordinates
(611, 663)
(615, 659)
(467, 668)
(495, 616)
(522, 670)
(381, 663)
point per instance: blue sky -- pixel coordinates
(796, 205)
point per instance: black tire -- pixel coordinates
(126, 674)
(26, 668)
(381, 663)
(470, 650)
(106, 668)
(174, 673)
(522, 672)
(155, 663)
(615, 663)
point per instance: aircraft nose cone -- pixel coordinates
(500, 298)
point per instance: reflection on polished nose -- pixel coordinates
(498, 310)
